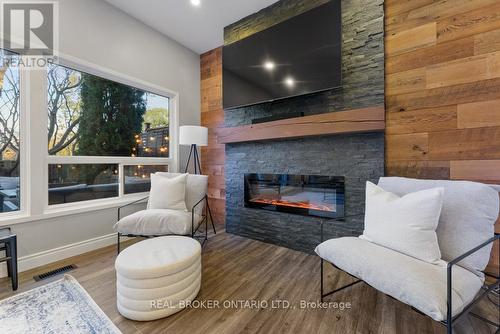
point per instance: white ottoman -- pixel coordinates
(156, 277)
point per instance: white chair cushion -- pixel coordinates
(157, 222)
(412, 281)
(159, 282)
(468, 216)
(168, 193)
(405, 224)
(158, 257)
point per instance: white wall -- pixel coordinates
(98, 33)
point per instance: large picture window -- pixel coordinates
(9, 133)
(99, 129)
(76, 137)
(92, 116)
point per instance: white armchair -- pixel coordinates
(465, 235)
(160, 222)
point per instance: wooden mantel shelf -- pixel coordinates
(370, 119)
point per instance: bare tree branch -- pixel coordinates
(63, 108)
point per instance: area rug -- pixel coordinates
(62, 306)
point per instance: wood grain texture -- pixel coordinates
(395, 7)
(468, 23)
(212, 116)
(433, 11)
(487, 42)
(239, 269)
(422, 120)
(465, 144)
(412, 146)
(411, 39)
(435, 54)
(461, 71)
(351, 121)
(442, 99)
(406, 81)
(443, 96)
(478, 114)
(475, 170)
(443, 90)
(435, 170)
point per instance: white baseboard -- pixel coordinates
(60, 253)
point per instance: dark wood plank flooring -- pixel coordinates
(236, 270)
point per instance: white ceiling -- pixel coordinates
(198, 28)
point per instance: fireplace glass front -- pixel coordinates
(310, 195)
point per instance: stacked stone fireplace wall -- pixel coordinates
(357, 157)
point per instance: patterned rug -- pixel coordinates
(58, 307)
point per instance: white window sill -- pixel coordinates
(68, 209)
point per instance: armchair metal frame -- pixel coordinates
(450, 319)
(200, 237)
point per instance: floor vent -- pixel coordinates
(54, 272)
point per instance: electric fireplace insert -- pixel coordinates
(309, 195)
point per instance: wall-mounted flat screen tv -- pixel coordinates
(301, 55)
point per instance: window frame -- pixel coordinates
(34, 145)
(171, 161)
(23, 148)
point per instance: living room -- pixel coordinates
(250, 166)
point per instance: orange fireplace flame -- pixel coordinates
(301, 205)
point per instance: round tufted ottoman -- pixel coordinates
(156, 277)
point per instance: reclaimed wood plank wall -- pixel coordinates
(212, 116)
(443, 90)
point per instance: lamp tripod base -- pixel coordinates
(193, 153)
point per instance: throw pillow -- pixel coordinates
(168, 193)
(405, 224)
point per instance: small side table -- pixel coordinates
(8, 243)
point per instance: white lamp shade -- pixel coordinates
(191, 134)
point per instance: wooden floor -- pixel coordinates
(238, 269)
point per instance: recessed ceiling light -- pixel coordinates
(269, 65)
(289, 82)
(196, 2)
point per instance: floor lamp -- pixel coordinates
(190, 135)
